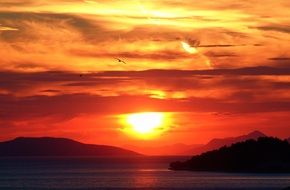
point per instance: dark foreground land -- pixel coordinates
(265, 155)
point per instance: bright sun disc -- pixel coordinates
(145, 123)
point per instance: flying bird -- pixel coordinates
(120, 61)
(188, 48)
(193, 43)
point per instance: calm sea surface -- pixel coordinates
(123, 173)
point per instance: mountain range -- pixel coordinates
(218, 143)
(173, 149)
(48, 146)
(195, 149)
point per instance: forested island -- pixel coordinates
(266, 154)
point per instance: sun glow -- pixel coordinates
(146, 124)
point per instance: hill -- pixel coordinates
(157, 150)
(47, 146)
(218, 143)
(192, 149)
(263, 155)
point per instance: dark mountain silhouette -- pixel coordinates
(47, 146)
(266, 154)
(193, 149)
(218, 143)
(288, 139)
(174, 149)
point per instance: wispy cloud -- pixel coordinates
(57, 61)
(275, 27)
(95, 36)
(280, 58)
(7, 28)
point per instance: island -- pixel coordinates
(266, 154)
(48, 146)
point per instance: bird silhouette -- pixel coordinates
(120, 61)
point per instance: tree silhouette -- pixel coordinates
(266, 154)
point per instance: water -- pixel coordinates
(146, 173)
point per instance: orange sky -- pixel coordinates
(217, 68)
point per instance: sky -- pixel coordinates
(213, 68)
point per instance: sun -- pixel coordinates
(145, 124)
